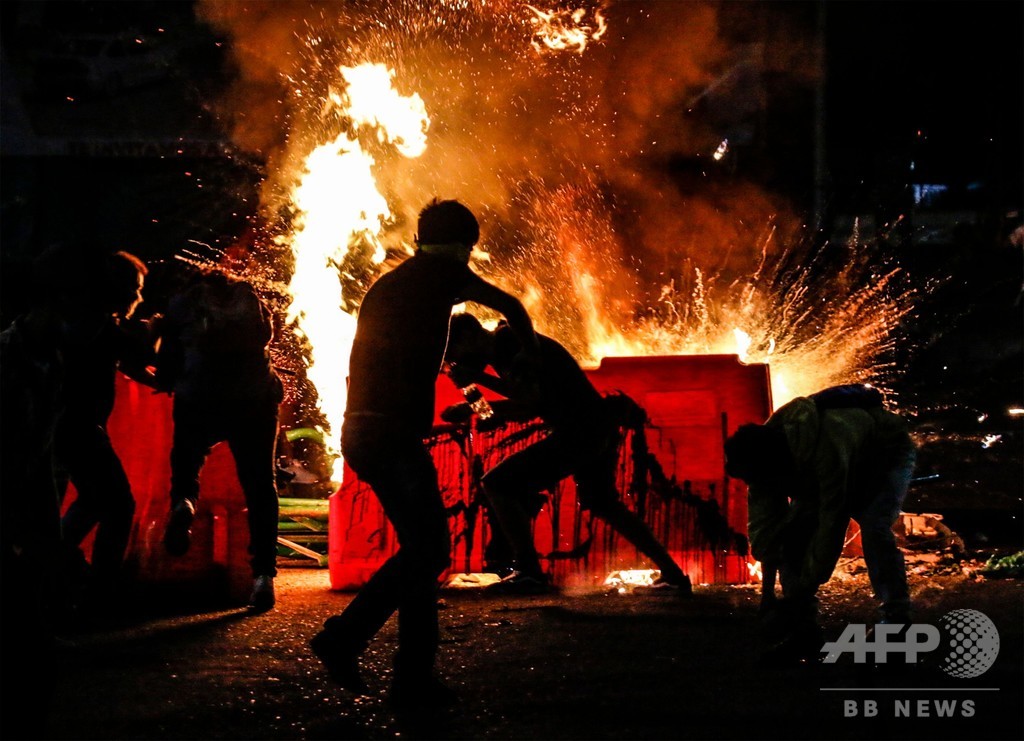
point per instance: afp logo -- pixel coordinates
(972, 643)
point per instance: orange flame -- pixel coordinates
(816, 325)
(625, 580)
(566, 30)
(573, 271)
(338, 205)
(754, 569)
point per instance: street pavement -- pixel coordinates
(578, 665)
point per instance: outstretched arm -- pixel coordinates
(522, 380)
(497, 384)
(480, 291)
(833, 518)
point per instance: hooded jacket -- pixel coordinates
(839, 456)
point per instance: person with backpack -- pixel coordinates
(816, 463)
(214, 359)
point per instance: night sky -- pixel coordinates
(937, 83)
(952, 70)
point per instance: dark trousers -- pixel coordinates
(250, 430)
(879, 500)
(104, 500)
(396, 464)
(886, 567)
(590, 456)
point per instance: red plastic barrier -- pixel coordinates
(141, 430)
(694, 403)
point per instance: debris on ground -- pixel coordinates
(471, 581)
(1007, 567)
(926, 531)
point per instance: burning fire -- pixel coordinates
(817, 317)
(626, 580)
(338, 204)
(566, 30)
(754, 569)
(541, 144)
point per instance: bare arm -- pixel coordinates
(480, 291)
(523, 377)
(496, 384)
(513, 391)
(833, 517)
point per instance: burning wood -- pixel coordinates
(626, 580)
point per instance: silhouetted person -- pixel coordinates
(396, 355)
(214, 357)
(100, 338)
(816, 463)
(31, 372)
(583, 442)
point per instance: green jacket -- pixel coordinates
(838, 454)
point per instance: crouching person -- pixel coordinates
(816, 463)
(583, 442)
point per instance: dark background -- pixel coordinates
(912, 93)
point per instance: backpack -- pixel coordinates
(229, 319)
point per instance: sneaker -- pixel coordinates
(178, 534)
(262, 597)
(519, 582)
(667, 586)
(342, 665)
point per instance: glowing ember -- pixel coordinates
(722, 149)
(990, 440)
(471, 580)
(561, 30)
(754, 568)
(831, 319)
(338, 205)
(551, 150)
(627, 579)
